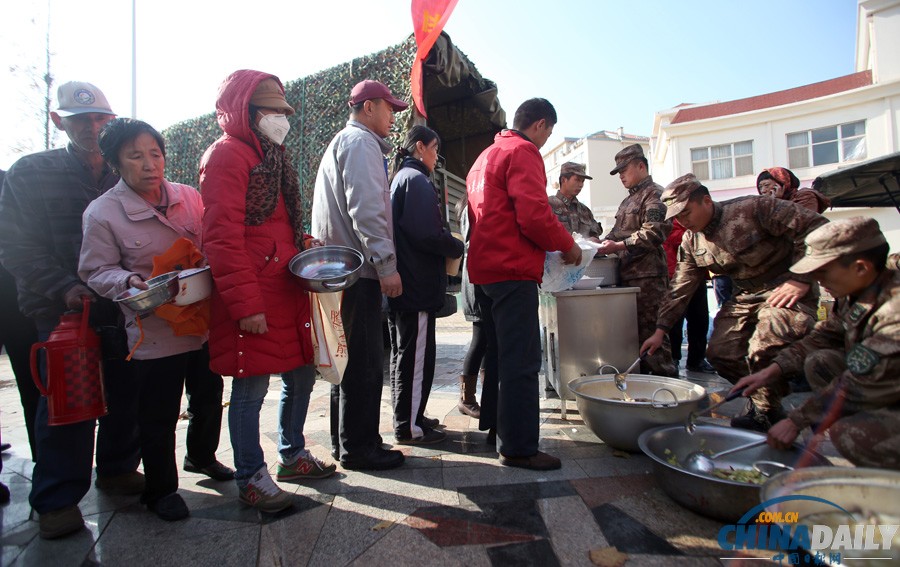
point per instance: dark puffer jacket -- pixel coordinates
(249, 263)
(423, 242)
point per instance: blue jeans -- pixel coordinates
(247, 396)
(62, 472)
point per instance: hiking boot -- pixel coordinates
(214, 470)
(62, 522)
(125, 484)
(430, 437)
(263, 494)
(307, 466)
(755, 420)
(170, 508)
(430, 422)
(540, 461)
(468, 405)
(704, 366)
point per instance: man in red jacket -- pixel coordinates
(512, 227)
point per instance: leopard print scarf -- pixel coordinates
(272, 175)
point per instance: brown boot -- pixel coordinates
(468, 405)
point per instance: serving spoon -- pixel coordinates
(690, 425)
(699, 463)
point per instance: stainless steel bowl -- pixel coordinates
(606, 267)
(871, 496)
(326, 269)
(722, 499)
(619, 423)
(161, 290)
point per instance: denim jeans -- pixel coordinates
(247, 396)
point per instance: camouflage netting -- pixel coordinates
(462, 107)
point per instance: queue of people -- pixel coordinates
(99, 217)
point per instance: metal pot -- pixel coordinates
(619, 423)
(326, 269)
(606, 267)
(161, 290)
(193, 285)
(872, 496)
(722, 499)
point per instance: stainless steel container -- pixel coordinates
(326, 269)
(161, 290)
(606, 267)
(619, 423)
(584, 329)
(723, 499)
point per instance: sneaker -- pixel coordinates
(430, 437)
(704, 366)
(540, 461)
(307, 466)
(62, 522)
(170, 508)
(263, 494)
(125, 484)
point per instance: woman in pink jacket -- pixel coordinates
(259, 325)
(124, 229)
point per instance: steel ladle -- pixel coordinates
(690, 424)
(699, 463)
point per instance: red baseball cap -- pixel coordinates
(370, 90)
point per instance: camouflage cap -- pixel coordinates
(677, 193)
(626, 155)
(572, 168)
(838, 238)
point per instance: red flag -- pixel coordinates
(429, 18)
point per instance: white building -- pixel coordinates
(604, 192)
(811, 129)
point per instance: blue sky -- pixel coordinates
(603, 63)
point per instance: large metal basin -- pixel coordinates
(619, 423)
(722, 499)
(326, 269)
(871, 496)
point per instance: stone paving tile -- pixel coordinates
(75, 550)
(537, 553)
(497, 522)
(490, 475)
(292, 540)
(628, 464)
(573, 531)
(481, 495)
(404, 545)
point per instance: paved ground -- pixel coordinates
(450, 504)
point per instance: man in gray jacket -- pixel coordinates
(352, 207)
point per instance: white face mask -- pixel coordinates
(275, 127)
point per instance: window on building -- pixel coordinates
(721, 162)
(832, 144)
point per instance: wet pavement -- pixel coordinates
(450, 504)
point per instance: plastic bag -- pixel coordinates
(559, 276)
(328, 339)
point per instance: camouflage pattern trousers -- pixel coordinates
(653, 291)
(748, 334)
(869, 438)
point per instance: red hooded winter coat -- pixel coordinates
(249, 263)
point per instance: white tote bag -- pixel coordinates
(328, 339)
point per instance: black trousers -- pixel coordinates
(356, 402)
(413, 354)
(17, 334)
(697, 316)
(509, 398)
(159, 383)
(204, 393)
(475, 354)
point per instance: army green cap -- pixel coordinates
(572, 168)
(625, 156)
(677, 193)
(838, 238)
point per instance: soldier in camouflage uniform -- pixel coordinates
(754, 240)
(573, 214)
(852, 359)
(637, 237)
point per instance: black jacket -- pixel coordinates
(422, 240)
(41, 203)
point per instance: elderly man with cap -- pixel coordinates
(754, 240)
(351, 207)
(43, 198)
(852, 359)
(637, 238)
(573, 214)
